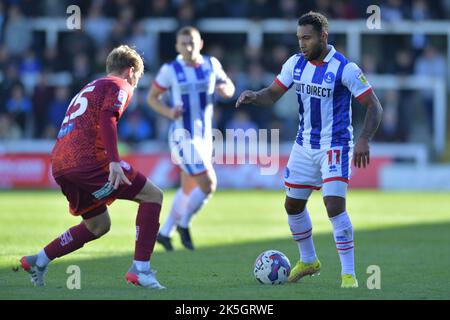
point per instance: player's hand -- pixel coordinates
(361, 154)
(117, 176)
(176, 112)
(247, 96)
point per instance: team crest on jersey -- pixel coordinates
(329, 77)
(121, 99)
(362, 78)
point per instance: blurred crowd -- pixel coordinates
(38, 81)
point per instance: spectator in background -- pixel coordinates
(343, 9)
(18, 34)
(214, 8)
(118, 34)
(289, 9)
(445, 12)
(98, 62)
(57, 109)
(4, 58)
(29, 70)
(51, 60)
(160, 8)
(325, 7)
(186, 14)
(9, 130)
(146, 44)
(135, 128)
(262, 9)
(403, 65)
(127, 16)
(419, 12)
(81, 71)
(53, 8)
(432, 64)
(389, 129)
(2, 20)
(394, 10)
(253, 54)
(369, 64)
(404, 99)
(77, 42)
(217, 50)
(257, 78)
(237, 9)
(19, 107)
(275, 61)
(10, 79)
(241, 120)
(41, 98)
(97, 25)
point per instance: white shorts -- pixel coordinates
(193, 156)
(311, 169)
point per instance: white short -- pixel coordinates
(311, 169)
(193, 156)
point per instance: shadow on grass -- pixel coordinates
(414, 263)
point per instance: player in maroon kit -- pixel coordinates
(87, 167)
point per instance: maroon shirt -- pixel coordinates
(88, 136)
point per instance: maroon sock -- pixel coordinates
(147, 226)
(71, 240)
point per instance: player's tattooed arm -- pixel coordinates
(373, 115)
(361, 155)
(264, 97)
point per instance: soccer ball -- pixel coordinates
(272, 267)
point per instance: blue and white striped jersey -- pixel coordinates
(193, 88)
(324, 98)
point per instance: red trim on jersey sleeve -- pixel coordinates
(365, 93)
(278, 82)
(160, 87)
(108, 132)
(335, 179)
(300, 186)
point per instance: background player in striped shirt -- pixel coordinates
(324, 81)
(87, 167)
(192, 79)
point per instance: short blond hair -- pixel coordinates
(124, 57)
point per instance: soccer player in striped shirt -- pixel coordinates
(324, 81)
(191, 79)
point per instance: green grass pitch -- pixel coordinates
(406, 234)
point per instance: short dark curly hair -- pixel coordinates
(316, 19)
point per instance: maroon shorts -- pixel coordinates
(88, 192)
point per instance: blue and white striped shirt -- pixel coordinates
(324, 98)
(193, 88)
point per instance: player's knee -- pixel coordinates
(100, 229)
(104, 229)
(208, 187)
(155, 195)
(294, 206)
(334, 207)
(151, 193)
